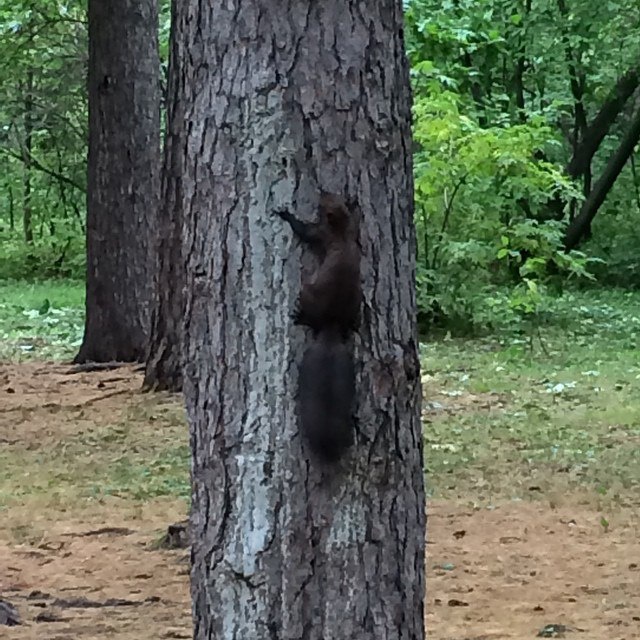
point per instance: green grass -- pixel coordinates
(502, 419)
(41, 320)
(137, 452)
(505, 419)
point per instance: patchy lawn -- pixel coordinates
(40, 320)
(532, 470)
(505, 421)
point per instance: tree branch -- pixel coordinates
(582, 222)
(599, 127)
(36, 164)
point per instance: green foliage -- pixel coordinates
(44, 133)
(503, 90)
(616, 237)
(499, 90)
(56, 257)
(486, 251)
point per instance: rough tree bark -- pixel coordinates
(281, 99)
(163, 370)
(580, 225)
(123, 171)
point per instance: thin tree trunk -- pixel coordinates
(593, 135)
(27, 152)
(123, 170)
(518, 87)
(282, 100)
(519, 70)
(634, 171)
(596, 132)
(576, 80)
(577, 84)
(580, 226)
(12, 218)
(476, 90)
(163, 370)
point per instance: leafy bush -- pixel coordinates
(488, 252)
(57, 257)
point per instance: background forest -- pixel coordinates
(526, 116)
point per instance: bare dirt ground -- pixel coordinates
(81, 569)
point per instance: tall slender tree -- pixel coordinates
(580, 225)
(163, 370)
(279, 101)
(123, 173)
(27, 154)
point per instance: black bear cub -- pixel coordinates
(329, 303)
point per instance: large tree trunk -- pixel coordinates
(581, 224)
(283, 99)
(123, 170)
(164, 360)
